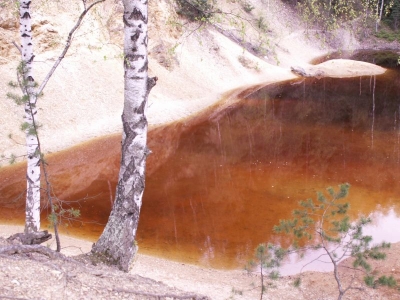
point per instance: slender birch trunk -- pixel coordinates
(32, 211)
(117, 242)
(30, 125)
(379, 13)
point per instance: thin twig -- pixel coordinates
(19, 49)
(67, 45)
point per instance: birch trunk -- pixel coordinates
(117, 242)
(30, 92)
(379, 13)
(32, 210)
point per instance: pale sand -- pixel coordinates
(84, 98)
(217, 284)
(238, 284)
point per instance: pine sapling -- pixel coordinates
(267, 259)
(327, 222)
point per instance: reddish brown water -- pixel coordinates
(215, 188)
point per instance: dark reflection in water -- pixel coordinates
(233, 177)
(86, 173)
(215, 188)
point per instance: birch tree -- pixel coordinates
(30, 125)
(117, 242)
(32, 211)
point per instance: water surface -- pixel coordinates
(216, 186)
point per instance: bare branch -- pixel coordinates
(159, 296)
(19, 49)
(67, 45)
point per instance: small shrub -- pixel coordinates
(388, 35)
(267, 258)
(247, 7)
(196, 10)
(297, 282)
(248, 63)
(388, 281)
(383, 281)
(261, 24)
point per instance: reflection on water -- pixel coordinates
(86, 173)
(234, 176)
(215, 188)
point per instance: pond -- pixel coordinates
(217, 185)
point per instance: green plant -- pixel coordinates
(297, 282)
(330, 15)
(196, 10)
(237, 292)
(247, 7)
(388, 35)
(261, 24)
(383, 281)
(267, 258)
(59, 214)
(248, 63)
(327, 222)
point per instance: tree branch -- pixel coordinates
(19, 49)
(159, 296)
(67, 45)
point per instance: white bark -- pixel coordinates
(32, 211)
(117, 242)
(379, 13)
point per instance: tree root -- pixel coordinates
(161, 296)
(32, 238)
(24, 249)
(72, 273)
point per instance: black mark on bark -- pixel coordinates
(137, 15)
(130, 169)
(140, 109)
(151, 82)
(144, 68)
(136, 35)
(130, 134)
(26, 4)
(136, 57)
(26, 15)
(126, 22)
(136, 77)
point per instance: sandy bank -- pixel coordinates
(236, 284)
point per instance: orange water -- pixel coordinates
(216, 187)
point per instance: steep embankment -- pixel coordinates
(195, 67)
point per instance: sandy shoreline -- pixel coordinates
(214, 283)
(232, 284)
